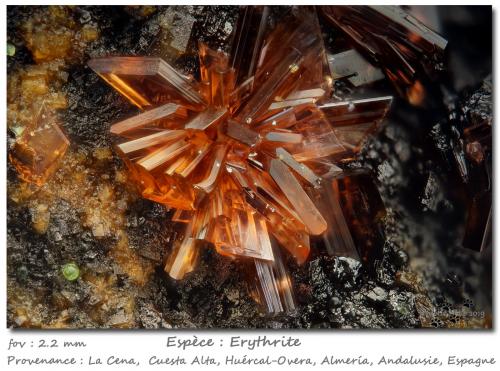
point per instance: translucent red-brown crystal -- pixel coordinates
(244, 153)
(37, 152)
(400, 44)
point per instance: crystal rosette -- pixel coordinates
(248, 155)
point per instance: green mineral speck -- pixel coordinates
(70, 271)
(11, 50)
(17, 130)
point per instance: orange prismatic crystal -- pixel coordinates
(37, 152)
(244, 153)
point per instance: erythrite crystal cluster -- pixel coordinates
(250, 155)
